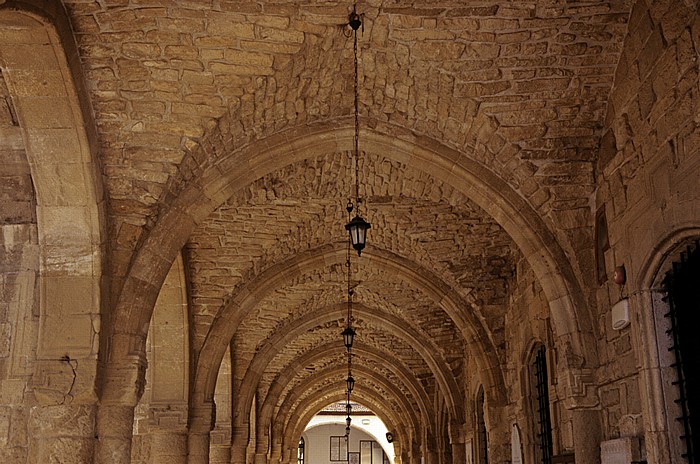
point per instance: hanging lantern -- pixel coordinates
(348, 421)
(348, 409)
(358, 233)
(348, 337)
(351, 383)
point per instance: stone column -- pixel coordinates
(220, 445)
(261, 446)
(168, 447)
(122, 386)
(201, 424)
(417, 453)
(581, 397)
(587, 435)
(458, 432)
(114, 431)
(429, 452)
(276, 452)
(239, 443)
(399, 453)
(288, 453)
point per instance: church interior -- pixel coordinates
(474, 221)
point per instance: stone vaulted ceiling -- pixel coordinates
(182, 90)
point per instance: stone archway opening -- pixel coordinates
(663, 302)
(368, 439)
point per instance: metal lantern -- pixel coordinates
(358, 233)
(348, 337)
(351, 383)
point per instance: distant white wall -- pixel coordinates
(319, 430)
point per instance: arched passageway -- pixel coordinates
(182, 169)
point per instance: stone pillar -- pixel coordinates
(261, 445)
(197, 448)
(168, 447)
(398, 451)
(122, 386)
(239, 444)
(429, 451)
(587, 435)
(276, 452)
(114, 431)
(201, 424)
(220, 445)
(167, 434)
(458, 433)
(260, 458)
(581, 397)
(287, 454)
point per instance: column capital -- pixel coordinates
(123, 381)
(580, 389)
(170, 418)
(457, 431)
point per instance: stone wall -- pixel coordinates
(19, 266)
(529, 324)
(647, 180)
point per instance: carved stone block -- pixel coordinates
(620, 451)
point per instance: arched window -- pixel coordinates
(300, 451)
(683, 298)
(539, 396)
(482, 446)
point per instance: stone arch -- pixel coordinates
(62, 158)
(407, 414)
(661, 431)
(373, 353)
(202, 195)
(245, 298)
(41, 69)
(316, 404)
(275, 391)
(424, 346)
(248, 296)
(311, 406)
(496, 197)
